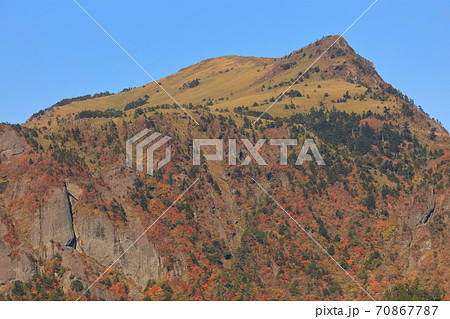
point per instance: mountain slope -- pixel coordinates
(380, 206)
(241, 81)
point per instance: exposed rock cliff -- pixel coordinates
(10, 145)
(55, 224)
(16, 261)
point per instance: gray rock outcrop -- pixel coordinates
(15, 262)
(101, 240)
(10, 145)
(55, 224)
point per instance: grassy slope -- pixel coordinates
(232, 81)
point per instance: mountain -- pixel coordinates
(380, 208)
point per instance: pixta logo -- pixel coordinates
(150, 150)
(254, 149)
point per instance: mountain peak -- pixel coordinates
(229, 82)
(334, 54)
(70, 201)
(330, 43)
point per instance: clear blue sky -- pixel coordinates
(50, 50)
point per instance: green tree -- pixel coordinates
(432, 135)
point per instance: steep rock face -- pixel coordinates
(14, 269)
(10, 145)
(105, 242)
(16, 263)
(55, 224)
(424, 211)
(73, 191)
(60, 227)
(3, 186)
(423, 237)
(429, 209)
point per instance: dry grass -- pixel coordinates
(232, 81)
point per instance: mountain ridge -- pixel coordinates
(224, 64)
(346, 65)
(69, 205)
